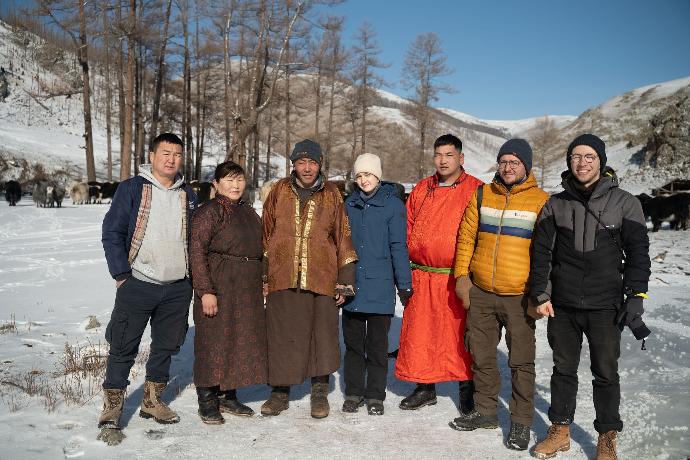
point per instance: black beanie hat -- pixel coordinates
(307, 149)
(590, 140)
(520, 148)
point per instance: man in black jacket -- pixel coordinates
(589, 274)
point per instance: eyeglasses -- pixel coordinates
(506, 163)
(589, 158)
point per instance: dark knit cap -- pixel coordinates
(592, 141)
(520, 148)
(307, 149)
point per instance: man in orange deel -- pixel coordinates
(432, 338)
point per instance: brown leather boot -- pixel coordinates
(113, 401)
(153, 407)
(319, 400)
(606, 446)
(557, 440)
(277, 402)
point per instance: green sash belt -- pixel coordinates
(424, 268)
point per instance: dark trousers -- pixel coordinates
(565, 332)
(488, 314)
(137, 302)
(366, 354)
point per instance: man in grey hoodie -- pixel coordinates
(145, 238)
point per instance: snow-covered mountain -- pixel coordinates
(35, 128)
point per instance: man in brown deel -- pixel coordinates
(309, 249)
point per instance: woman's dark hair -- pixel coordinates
(228, 168)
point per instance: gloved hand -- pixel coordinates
(630, 315)
(405, 295)
(639, 328)
(462, 289)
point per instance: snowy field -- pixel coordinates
(53, 276)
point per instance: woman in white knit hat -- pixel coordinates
(379, 229)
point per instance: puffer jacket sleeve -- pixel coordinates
(397, 238)
(115, 231)
(636, 246)
(467, 237)
(542, 252)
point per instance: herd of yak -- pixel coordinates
(674, 208)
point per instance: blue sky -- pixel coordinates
(526, 58)
(518, 59)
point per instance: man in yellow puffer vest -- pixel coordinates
(492, 266)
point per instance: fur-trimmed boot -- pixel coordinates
(153, 407)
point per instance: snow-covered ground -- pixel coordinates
(53, 277)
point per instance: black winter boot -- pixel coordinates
(231, 405)
(423, 395)
(473, 421)
(466, 396)
(352, 404)
(518, 438)
(209, 406)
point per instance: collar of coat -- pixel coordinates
(435, 180)
(498, 187)
(385, 190)
(608, 181)
(318, 185)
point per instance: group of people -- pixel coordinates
(467, 260)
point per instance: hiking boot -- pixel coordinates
(319, 400)
(423, 395)
(466, 390)
(231, 405)
(606, 446)
(375, 407)
(557, 440)
(153, 407)
(209, 407)
(518, 438)
(473, 421)
(113, 401)
(277, 402)
(352, 403)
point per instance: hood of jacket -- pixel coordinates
(146, 173)
(497, 185)
(608, 181)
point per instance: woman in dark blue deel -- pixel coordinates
(379, 229)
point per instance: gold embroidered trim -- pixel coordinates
(305, 244)
(349, 260)
(298, 243)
